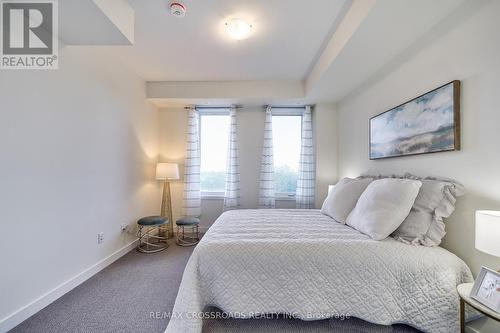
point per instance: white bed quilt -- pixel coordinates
(303, 263)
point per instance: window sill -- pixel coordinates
(284, 198)
(220, 196)
(212, 196)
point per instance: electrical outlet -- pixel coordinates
(100, 238)
(124, 227)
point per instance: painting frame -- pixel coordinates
(456, 91)
(479, 284)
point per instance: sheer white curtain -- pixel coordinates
(266, 186)
(232, 193)
(191, 201)
(306, 180)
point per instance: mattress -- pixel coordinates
(303, 264)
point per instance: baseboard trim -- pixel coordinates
(38, 304)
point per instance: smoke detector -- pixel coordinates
(177, 9)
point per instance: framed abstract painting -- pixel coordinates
(429, 123)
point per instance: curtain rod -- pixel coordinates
(241, 107)
(214, 107)
(287, 107)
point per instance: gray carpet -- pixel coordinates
(121, 298)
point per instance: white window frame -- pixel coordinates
(298, 111)
(223, 111)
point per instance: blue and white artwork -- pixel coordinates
(425, 124)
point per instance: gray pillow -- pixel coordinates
(343, 198)
(435, 201)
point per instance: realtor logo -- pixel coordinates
(28, 33)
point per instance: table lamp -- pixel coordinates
(167, 172)
(488, 232)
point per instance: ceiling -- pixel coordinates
(392, 29)
(107, 28)
(300, 52)
(287, 37)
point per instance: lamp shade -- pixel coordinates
(166, 171)
(488, 232)
(330, 188)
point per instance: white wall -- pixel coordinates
(250, 131)
(470, 52)
(325, 129)
(78, 148)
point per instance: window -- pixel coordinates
(214, 132)
(286, 149)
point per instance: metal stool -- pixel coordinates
(152, 238)
(188, 237)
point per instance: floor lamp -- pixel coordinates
(167, 172)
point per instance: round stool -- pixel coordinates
(188, 237)
(151, 237)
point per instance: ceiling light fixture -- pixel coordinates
(238, 29)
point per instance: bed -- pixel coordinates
(304, 264)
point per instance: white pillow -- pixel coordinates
(342, 199)
(383, 206)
